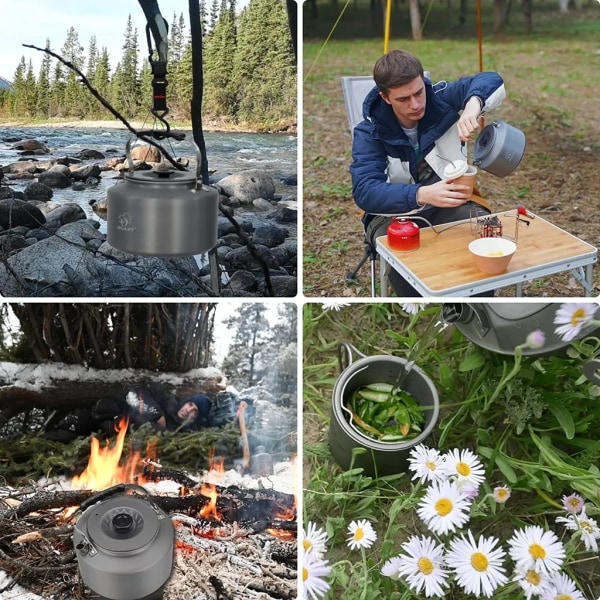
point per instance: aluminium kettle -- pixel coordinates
(124, 545)
(499, 148)
(500, 327)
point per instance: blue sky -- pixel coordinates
(33, 21)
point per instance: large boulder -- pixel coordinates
(20, 167)
(82, 173)
(145, 153)
(14, 213)
(59, 176)
(69, 212)
(30, 145)
(38, 191)
(248, 185)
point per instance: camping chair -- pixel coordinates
(355, 90)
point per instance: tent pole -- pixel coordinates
(388, 20)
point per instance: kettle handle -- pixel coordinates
(590, 370)
(346, 352)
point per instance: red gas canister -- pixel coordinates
(403, 235)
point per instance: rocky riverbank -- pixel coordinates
(56, 250)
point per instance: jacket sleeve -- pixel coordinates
(370, 187)
(488, 86)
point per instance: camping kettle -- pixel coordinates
(500, 327)
(162, 212)
(499, 148)
(124, 545)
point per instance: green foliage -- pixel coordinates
(249, 72)
(30, 457)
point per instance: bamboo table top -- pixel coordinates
(443, 264)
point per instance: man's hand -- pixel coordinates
(468, 123)
(443, 194)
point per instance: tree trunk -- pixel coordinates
(527, 13)
(56, 385)
(498, 13)
(462, 17)
(415, 19)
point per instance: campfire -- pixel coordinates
(235, 535)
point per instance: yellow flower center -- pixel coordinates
(304, 573)
(577, 317)
(425, 565)
(359, 534)
(574, 503)
(479, 561)
(501, 494)
(564, 597)
(444, 506)
(463, 469)
(586, 526)
(533, 577)
(307, 545)
(431, 465)
(537, 551)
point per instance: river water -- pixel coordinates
(227, 152)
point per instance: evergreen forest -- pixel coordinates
(250, 73)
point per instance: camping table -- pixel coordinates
(443, 265)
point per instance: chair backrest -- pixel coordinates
(355, 90)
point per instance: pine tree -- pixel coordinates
(219, 91)
(102, 83)
(73, 94)
(30, 91)
(243, 365)
(42, 108)
(265, 71)
(17, 101)
(57, 89)
(126, 86)
(213, 16)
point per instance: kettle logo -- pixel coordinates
(125, 221)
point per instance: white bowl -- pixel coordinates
(493, 254)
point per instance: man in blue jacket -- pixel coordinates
(411, 130)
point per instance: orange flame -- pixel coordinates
(209, 511)
(103, 469)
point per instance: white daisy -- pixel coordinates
(561, 587)
(464, 466)
(314, 570)
(391, 567)
(532, 582)
(423, 566)
(478, 565)
(501, 494)
(334, 305)
(412, 308)
(590, 532)
(534, 548)
(314, 539)
(444, 508)
(361, 534)
(426, 463)
(572, 317)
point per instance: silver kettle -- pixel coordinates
(124, 545)
(499, 148)
(500, 327)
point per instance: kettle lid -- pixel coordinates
(121, 524)
(485, 141)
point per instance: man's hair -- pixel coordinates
(395, 68)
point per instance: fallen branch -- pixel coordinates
(107, 105)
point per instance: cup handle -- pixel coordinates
(590, 370)
(346, 353)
